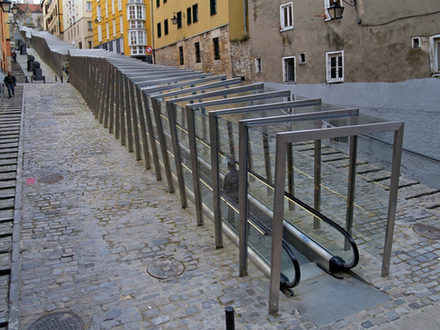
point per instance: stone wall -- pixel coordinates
(170, 55)
(240, 59)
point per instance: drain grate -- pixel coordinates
(51, 178)
(59, 321)
(427, 231)
(64, 114)
(165, 267)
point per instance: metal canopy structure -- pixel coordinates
(196, 129)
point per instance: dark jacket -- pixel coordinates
(230, 185)
(10, 80)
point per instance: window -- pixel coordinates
(89, 25)
(188, 16)
(159, 30)
(435, 54)
(195, 13)
(165, 27)
(415, 42)
(114, 28)
(98, 13)
(108, 30)
(113, 6)
(197, 48)
(88, 5)
(120, 24)
(110, 46)
(90, 45)
(136, 12)
(157, 3)
(137, 38)
(181, 60)
(335, 66)
(302, 58)
(164, 1)
(118, 46)
(119, 5)
(289, 74)
(213, 7)
(99, 33)
(216, 48)
(106, 8)
(258, 66)
(179, 20)
(286, 16)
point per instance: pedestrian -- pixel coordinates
(2, 84)
(14, 56)
(66, 70)
(10, 83)
(230, 188)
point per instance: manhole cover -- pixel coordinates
(165, 267)
(51, 178)
(427, 231)
(58, 321)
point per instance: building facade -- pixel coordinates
(53, 17)
(374, 41)
(202, 35)
(5, 45)
(29, 15)
(78, 23)
(123, 26)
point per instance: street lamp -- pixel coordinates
(14, 10)
(6, 6)
(335, 10)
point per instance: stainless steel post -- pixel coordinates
(317, 179)
(215, 175)
(163, 145)
(277, 224)
(351, 188)
(129, 122)
(395, 173)
(176, 150)
(134, 118)
(118, 104)
(190, 120)
(242, 198)
(143, 128)
(151, 134)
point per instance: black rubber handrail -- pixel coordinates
(343, 266)
(284, 280)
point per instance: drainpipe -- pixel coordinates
(152, 32)
(245, 16)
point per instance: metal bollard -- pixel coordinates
(61, 78)
(230, 322)
(56, 78)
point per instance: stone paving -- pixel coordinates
(93, 220)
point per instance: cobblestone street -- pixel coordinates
(93, 220)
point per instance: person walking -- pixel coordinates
(10, 83)
(14, 56)
(2, 84)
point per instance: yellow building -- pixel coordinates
(122, 26)
(53, 17)
(206, 35)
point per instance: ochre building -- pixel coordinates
(207, 35)
(123, 26)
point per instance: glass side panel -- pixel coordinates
(373, 172)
